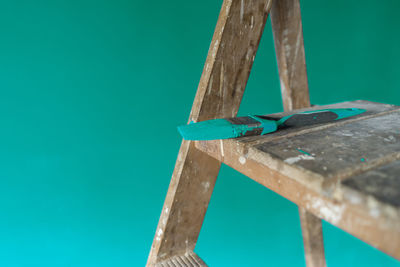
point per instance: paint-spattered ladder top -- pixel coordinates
(345, 172)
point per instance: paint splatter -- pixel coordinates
(304, 152)
(298, 158)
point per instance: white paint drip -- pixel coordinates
(346, 133)
(210, 85)
(227, 9)
(222, 87)
(286, 95)
(221, 80)
(285, 32)
(390, 138)
(215, 48)
(330, 212)
(287, 50)
(206, 186)
(222, 148)
(179, 216)
(159, 234)
(373, 207)
(297, 48)
(267, 6)
(354, 198)
(242, 160)
(298, 158)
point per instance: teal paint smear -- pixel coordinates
(213, 129)
(241, 129)
(340, 112)
(205, 130)
(268, 126)
(223, 129)
(347, 112)
(304, 152)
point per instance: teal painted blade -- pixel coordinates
(260, 125)
(224, 129)
(318, 116)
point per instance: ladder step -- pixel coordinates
(189, 259)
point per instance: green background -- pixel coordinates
(91, 94)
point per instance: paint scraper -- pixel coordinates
(260, 125)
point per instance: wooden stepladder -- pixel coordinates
(225, 74)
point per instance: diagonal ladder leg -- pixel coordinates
(289, 46)
(225, 74)
(311, 227)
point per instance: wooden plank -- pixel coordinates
(344, 208)
(339, 152)
(373, 109)
(382, 183)
(382, 147)
(311, 228)
(353, 211)
(289, 46)
(225, 74)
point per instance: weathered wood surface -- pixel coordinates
(289, 46)
(274, 161)
(189, 259)
(383, 183)
(225, 74)
(340, 152)
(311, 228)
(372, 109)
(230, 58)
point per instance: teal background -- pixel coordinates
(91, 94)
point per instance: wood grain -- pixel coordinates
(311, 229)
(351, 207)
(188, 259)
(383, 183)
(225, 74)
(289, 46)
(230, 58)
(353, 148)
